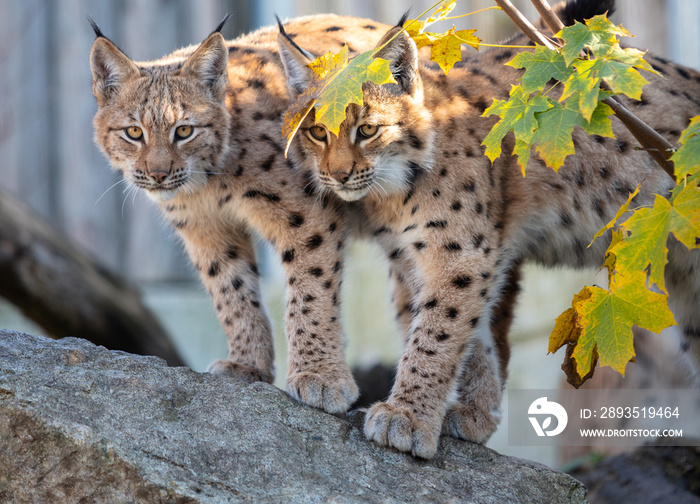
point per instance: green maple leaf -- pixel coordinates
(614, 65)
(646, 233)
(517, 114)
(687, 158)
(606, 319)
(598, 35)
(584, 85)
(553, 137)
(599, 122)
(622, 78)
(337, 83)
(541, 66)
(599, 324)
(584, 91)
(576, 38)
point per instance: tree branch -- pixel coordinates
(525, 26)
(657, 146)
(550, 18)
(67, 293)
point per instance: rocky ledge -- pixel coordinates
(80, 423)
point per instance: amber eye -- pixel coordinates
(134, 132)
(367, 130)
(319, 133)
(182, 132)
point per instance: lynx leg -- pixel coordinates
(477, 412)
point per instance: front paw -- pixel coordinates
(398, 427)
(333, 392)
(471, 423)
(240, 372)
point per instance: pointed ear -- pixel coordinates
(295, 61)
(209, 65)
(403, 59)
(110, 69)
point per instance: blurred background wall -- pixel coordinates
(47, 158)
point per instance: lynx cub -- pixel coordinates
(196, 131)
(455, 226)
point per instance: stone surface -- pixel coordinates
(81, 424)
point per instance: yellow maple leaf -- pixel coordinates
(446, 49)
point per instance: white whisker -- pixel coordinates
(121, 181)
(128, 191)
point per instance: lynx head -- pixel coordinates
(382, 145)
(163, 124)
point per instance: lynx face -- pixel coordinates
(163, 126)
(371, 153)
(383, 146)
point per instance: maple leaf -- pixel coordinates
(614, 65)
(686, 216)
(585, 91)
(646, 233)
(345, 87)
(598, 35)
(599, 323)
(541, 66)
(445, 48)
(566, 331)
(599, 123)
(622, 78)
(553, 137)
(337, 83)
(687, 158)
(517, 114)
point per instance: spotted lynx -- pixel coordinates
(411, 162)
(198, 132)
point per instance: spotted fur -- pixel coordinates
(227, 179)
(456, 226)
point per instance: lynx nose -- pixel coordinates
(341, 177)
(159, 176)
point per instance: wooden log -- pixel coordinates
(69, 294)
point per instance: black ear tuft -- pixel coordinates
(403, 19)
(223, 22)
(95, 28)
(280, 25)
(291, 41)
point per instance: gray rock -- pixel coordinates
(82, 424)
